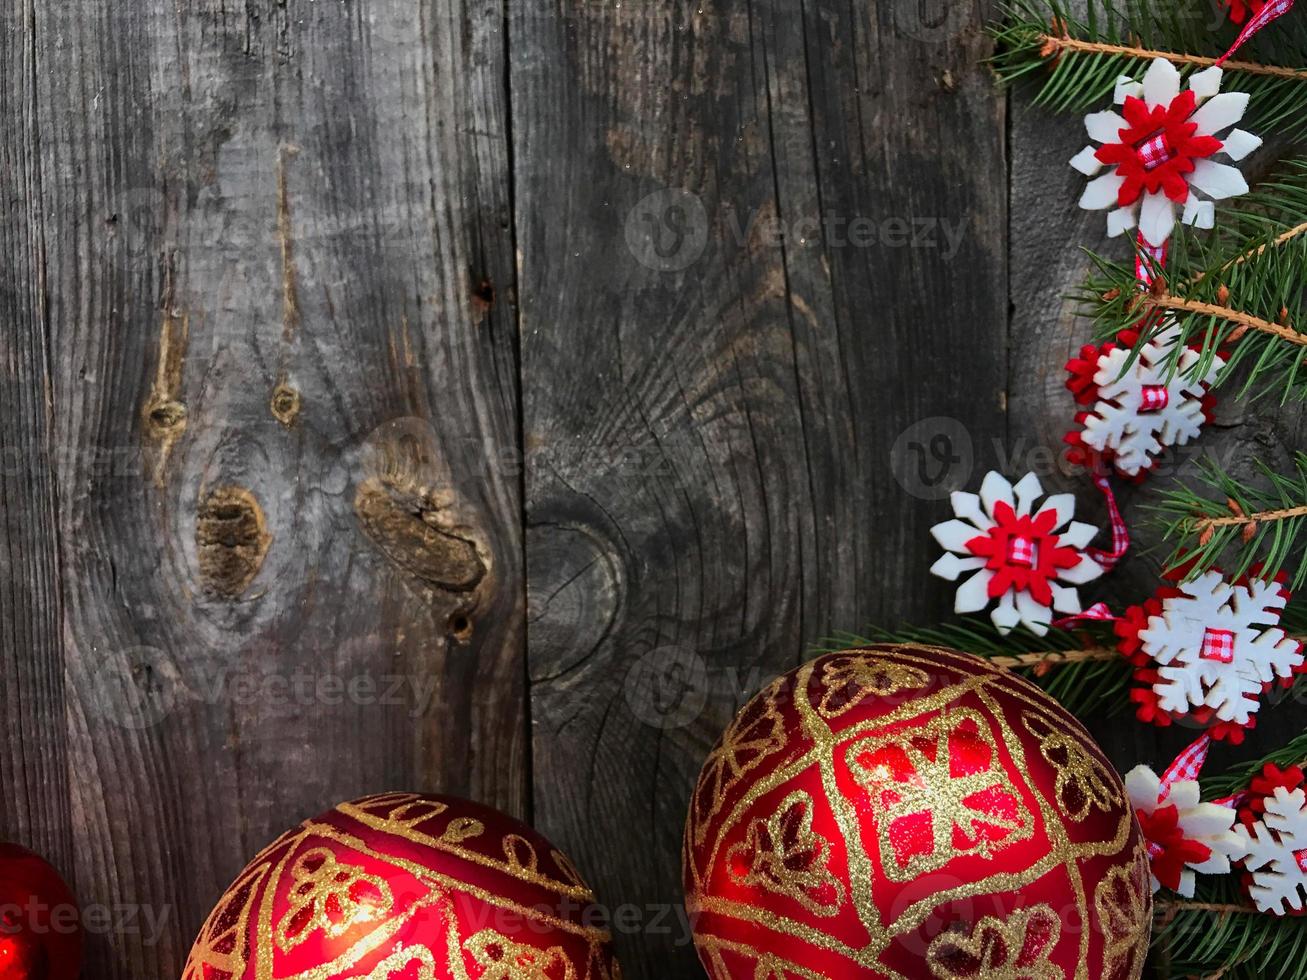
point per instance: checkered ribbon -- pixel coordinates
(1021, 551)
(1218, 645)
(1147, 258)
(1120, 535)
(1272, 11)
(1154, 398)
(1098, 612)
(1155, 151)
(1187, 765)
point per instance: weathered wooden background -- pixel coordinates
(571, 365)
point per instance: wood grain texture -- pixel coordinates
(489, 398)
(712, 414)
(34, 802)
(279, 282)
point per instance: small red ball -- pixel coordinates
(913, 813)
(40, 922)
(406, 887)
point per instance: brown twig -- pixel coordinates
(1206, 527)
(1171, 907)
(1245, 321)
(1055, 44)
(1044, 660)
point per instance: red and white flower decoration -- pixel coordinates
(1185, 836)
(1158, 152)
(1027, 558)
(1137, 408)
(1206, 650)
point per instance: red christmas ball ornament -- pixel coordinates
(912, 813)
(406, 887)
(40, 922)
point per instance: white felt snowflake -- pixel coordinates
(1216, 646)
(1174, 820)
(1019, 554)
(1146, 406)
(1158, 152)
(1276, 849)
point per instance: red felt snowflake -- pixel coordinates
(1136, 405)
(1196, 629)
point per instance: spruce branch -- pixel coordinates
(1161, 300)
(1294, 753)
(1218, 933)
(1074, 60)
(1056, 44)
(1229, 522)
(1236, 293)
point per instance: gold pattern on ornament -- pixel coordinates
(783, 854)
(449, 842)
(521, 855)
(849, 680)
(1123, 902)
(1017, 948)
(329, 897)
(770, 968)
(564, 864)
(755, 733)
(1083, 781)
(401, 961)
(924, 791)
(404, 812)
(502, 959)
(221, 943)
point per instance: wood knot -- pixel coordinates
(166, 417)
(231, 539)
(285, 404)
(410, 526)
(483, 294)
(459, 626)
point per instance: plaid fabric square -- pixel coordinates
(1218, 645)
(1154, 151)
(1153, 398)
(1021, 551)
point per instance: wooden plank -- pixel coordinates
(280, 278)
(715, 420)
(34, 799)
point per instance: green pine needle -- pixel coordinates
(1237, 779)
(1251, 269)
(1233, 940)
(1275, 544)
(1070, 80)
